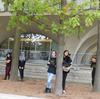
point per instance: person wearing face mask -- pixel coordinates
(8, 66)
(51, 71)
(21, 65)
(66, 68)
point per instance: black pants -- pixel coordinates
(7, 72)
(21, 71)
(64, 79)
(93, 76)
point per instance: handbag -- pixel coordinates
(66, 67)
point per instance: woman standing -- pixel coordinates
(8, 66)
(66, 67)
(21, 65)
(51, 71)
(93, 66)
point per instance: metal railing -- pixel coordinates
(80, 59)
(30, 54)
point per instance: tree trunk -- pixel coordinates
(58, 87)
(97, 75)
(15, 57)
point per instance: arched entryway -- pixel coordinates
(37, 50)
(86, 48)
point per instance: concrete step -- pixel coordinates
(39, 70)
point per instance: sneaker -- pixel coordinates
(64, 92)
(46, 90)
(49, 90)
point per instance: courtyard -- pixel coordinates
(34, 89)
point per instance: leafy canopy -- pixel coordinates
(71, 19)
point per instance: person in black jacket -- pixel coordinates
(21, 65)
(8, 66)
(51, 71)
(93, 66)
(66, 68)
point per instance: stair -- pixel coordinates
(38, 69)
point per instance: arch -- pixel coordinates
(91, 50)
(29, 29)
(88, 44)
(87, 40)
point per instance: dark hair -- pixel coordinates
(52, 52)
(93, 56)
(65, 52)
(9, 54)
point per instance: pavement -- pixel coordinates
(10, 96)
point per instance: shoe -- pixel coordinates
(22, 80)
(46, 90)
(64, 92)
(5, 78)
(8, 77)
(49, 90)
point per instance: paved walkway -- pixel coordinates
(9, 96)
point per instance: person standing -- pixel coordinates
(93, 66)
(21, 65)
(51, 71)
(8, 66)
(66, 67)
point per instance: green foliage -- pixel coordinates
(72, 18)
(41, 26)
(54, 28)
(12, 23)
(74, 21)
(89, 18)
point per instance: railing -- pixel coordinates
(37, 55)
(81, 59)
(30, 54)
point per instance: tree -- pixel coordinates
(61, 43)
(72, 20)
(15, 57)
(97, 75)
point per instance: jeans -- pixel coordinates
(49, 81)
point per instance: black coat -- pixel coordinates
(9, 64)
(52, 66)
(22, 63)
(66, 61)
(93, 64)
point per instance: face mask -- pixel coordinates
(8, 55)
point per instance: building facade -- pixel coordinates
(81, 48)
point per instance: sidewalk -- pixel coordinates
(9, 96)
